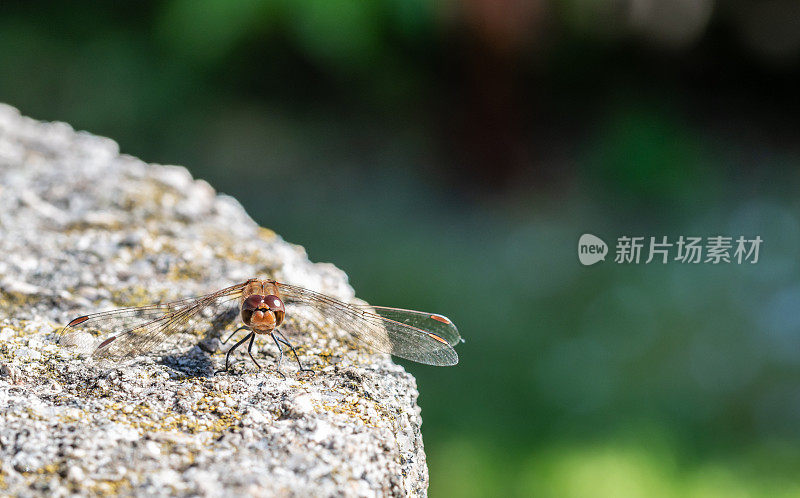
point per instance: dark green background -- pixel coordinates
(448, 156)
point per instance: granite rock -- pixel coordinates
(84, 229)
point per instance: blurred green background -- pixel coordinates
(448, 155)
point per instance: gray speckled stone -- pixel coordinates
(84, 229)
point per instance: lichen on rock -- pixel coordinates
(84, 229)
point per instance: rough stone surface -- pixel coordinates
(84, 229)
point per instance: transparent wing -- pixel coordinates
(431, 322)
(413, 335)
(128, 332)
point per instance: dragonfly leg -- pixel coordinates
(285, 341)
(250, 348)
(280, 358)
(243, 327)
(231, 350)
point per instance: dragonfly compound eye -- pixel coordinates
(254, 302)
(274, 302)
(276, 305)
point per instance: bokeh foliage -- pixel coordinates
(448, 156)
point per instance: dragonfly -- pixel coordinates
(263, 305)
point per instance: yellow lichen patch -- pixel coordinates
(137, 296)
(358, 406)
(71, 419)
(351, 414)
(186, 271)
(98, 223)
(327, 356)
(32, 415)
(85, 391)
(237, 250)
(149, 194)
(141, 417)
(10, 301)
(102, 487)
(266, 234)
(354, 410)
(48, 469)
(106, 487)
(20, 329)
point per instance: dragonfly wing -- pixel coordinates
(399, 332)
(431, 322)
(129, 332)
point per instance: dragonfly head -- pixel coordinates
(263, 313)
